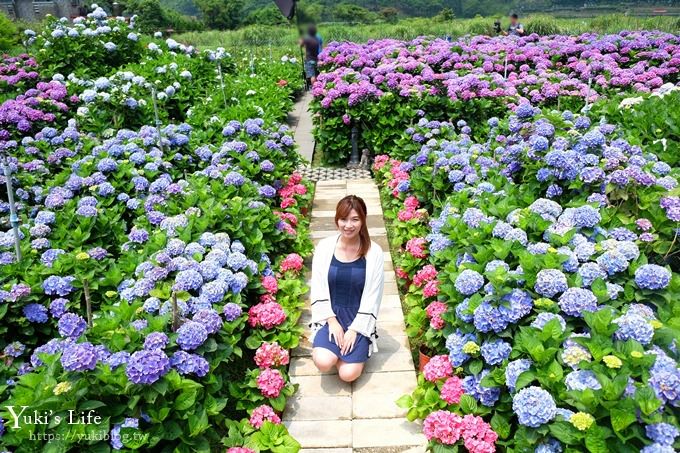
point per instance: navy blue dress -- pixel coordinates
(346, 284)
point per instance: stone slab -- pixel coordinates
(318, 408)
(390, 300)
(377, 406)
(321, 433)
(389, 361)
(390, 314)
(321, 385)
(393, 432)
(385, 383)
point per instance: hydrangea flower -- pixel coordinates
(652, 277)
(147, 366)
(533, 407)
(191, 335)
(469, 282)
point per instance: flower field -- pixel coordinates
(534, 215)
(162, 231)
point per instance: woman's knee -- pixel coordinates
(324, 360)
(350, 371)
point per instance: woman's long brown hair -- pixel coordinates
(342, 211)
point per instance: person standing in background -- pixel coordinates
(515, 28)
(312, 48)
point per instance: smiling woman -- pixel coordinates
(347, 286)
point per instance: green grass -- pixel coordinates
(262, 37)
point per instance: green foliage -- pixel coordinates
(221, 14)
(269, 15)
(9, 36)
(348, 12)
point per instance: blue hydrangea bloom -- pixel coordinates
(513, 370)
(147, 366)
(469, 282)
(662, 433)
(582, 380)
(79, 357)
(533, 406)
(550, 282)
(494, 352)
(652, 277)
(575, 301)
(191, 335)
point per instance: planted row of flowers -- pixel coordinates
(536, 264)
(162, 272)
(379, 86)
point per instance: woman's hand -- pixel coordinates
(335, 330)
(350, 339)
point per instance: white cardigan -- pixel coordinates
(365, 320)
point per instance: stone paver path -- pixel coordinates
(332, 416)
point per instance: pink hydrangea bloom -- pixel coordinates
(439, 367)
(270, 382)
(401, 273)
(434, 312)
(478, 435)
(288, 202)
(424, 275)
(380, 161)
(452, 390)
(263, 413)
(416, 247)
(411, 203)
(240, 450)
(406, 215)
(443, 426)
(431, 289)
(292, 262)
(644, 224)
(271, 355)
(267, 315)
(270, 285)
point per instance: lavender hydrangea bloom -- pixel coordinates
(191, 335)
(147, 366)
(71, 325)
(79, 357)
(613, 262)
(156, 340)
(658, 448)
(575, 301)
(117, 359)
(662, 433)
(534, 407)
(652, 277)
(469, 282)
(232, 311)
(210, 319)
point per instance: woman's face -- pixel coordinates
(350, 226)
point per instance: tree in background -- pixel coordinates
(445, 15)
(221, 14)
(389, 14)
(347, 12)
(269, 15)
(8, 33)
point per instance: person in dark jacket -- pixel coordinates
(312, 48)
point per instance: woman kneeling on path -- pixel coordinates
(347, 287)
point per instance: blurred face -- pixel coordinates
(350, 226)
(513, 20)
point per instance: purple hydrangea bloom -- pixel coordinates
(191, 335)
(155, 340)
(232, 311)
(187, 280)
(117, 359)
(71, 325)
(35, 313)
(210, 319)
(534, 407)
(79, 357)
(147, 366)
(186, 363)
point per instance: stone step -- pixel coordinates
(372, 433)
(321, 433)
(300, 407)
